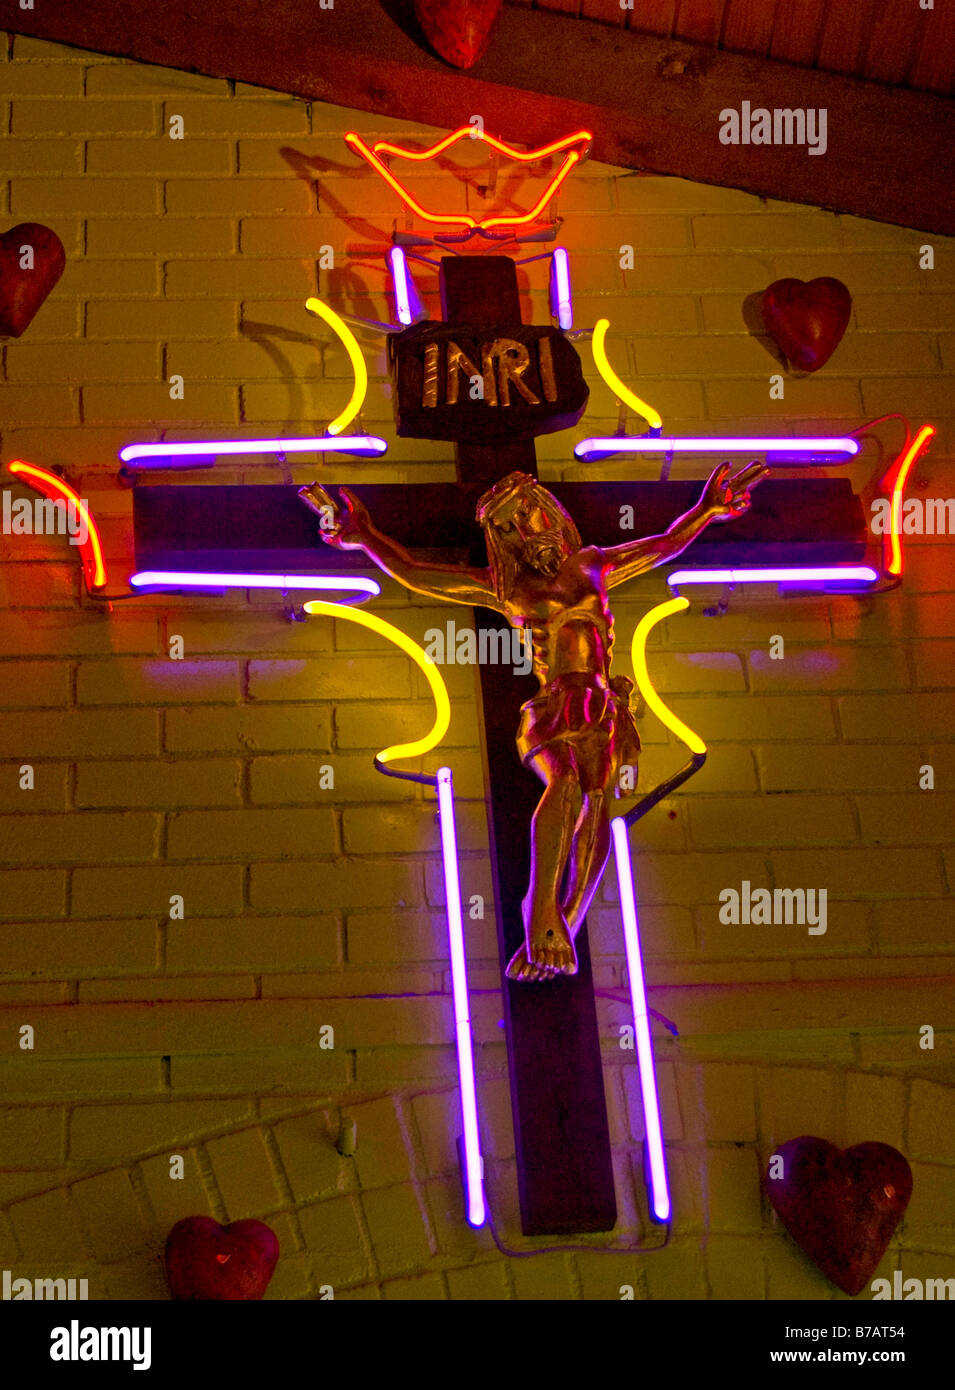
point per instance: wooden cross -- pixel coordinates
(565, 1176)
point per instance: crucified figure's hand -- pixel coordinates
(727, 496)
(345, 528)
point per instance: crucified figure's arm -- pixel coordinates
(723, 498)
(349, 527)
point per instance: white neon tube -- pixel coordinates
(473, 1163)
(659, 1190)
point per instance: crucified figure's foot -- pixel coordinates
(548, 942)
(520, 968)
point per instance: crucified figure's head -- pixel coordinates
(526, 528)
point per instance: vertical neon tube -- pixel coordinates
(561, 304)
(918, 446)
(473, 1163)
(399, 277)
(659, 1190)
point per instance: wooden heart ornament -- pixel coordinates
(459, 30)
(807, 320)
(840, 1205)
(207, 1261)
(31, 261)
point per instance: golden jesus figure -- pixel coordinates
(578, 731)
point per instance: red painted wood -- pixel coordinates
(700, 21)
(748, 26)
(797, 30)
(893, 42)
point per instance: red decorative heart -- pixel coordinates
(459, 30)
(807, 321)
(22, 291)
(207, 1261)
(840, 1205)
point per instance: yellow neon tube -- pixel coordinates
(642, 675)
(350, 343)
(421, 659)
(623, 393)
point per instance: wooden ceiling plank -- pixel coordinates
(699, 21)
(653, 17)
(604, 11)
(748, 26)
(934, 66)
(796, 31)
(846, 34)
(651, 103)
(893, 42)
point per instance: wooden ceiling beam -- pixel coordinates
(652, 103)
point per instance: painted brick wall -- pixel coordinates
(303, 907)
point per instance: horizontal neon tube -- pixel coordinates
(473, 1163)
(732, 444)
(659, 1189)
(561, 308)
(151, 455)
(209, 579)
(622, 392)
(54, 487)
(857, 574)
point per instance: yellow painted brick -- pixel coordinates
(135, 1279)
(81, 362)
(420, 1288)
(85, 117)
(296, 680)
(675, 1273)
(292, 236)
(159, 155)
(143, 79)
(31, 1137)
(244, 1173)
(49, 791)
(79, 837)
(75, 733)
(398, 937)
(38, 586)
(239, 277)
(702, 357)
(160, 236)
(175, 988)
(796, 1101)
(281, 116)
(790, 1274)
(636, 313)
(884, 873)
(23, 405)
(172, 1199)
(805, 399)
(935, 664)
(303, 1072)
(43, 156)
(923, 396)
(702, 273)
(890, 312)
(108, 279)
(396, 1227)
(733, 1196)
(34, 893)
(249, 728)
(112, 1214)
(269, 401)
(124, 1131)
(298, 780)
(931, 1213)
(158, 682)
(207, 890)
(48, 1229)
(23, 992)
(914, 923)
(836, 767)
(251, 834)
(793, 820)
(241, 361)
(834, 668)
(159, 319)
(334, 1237)
(735, 717)
(182, 782)
(202, 403)
(875, 1105)
(383, 1154)
(931, 1128)
(923, 817)
(378, 1068)
(42, 79)
(728, 1098)
(79, 947)
(37, 1079)
(478, 1283)
(260, 944)
(238, 197)
(864, 270)
(32, 198)
(651, 193)
(768, 232)
(734, 1267)
(310, 1160)
(912, 716)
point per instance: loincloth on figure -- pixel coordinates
(576, 708)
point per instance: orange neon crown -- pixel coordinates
(580, 139)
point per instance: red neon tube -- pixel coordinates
(54, 487)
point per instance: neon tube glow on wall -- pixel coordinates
(54, 487)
